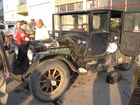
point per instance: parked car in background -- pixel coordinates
(5, 27)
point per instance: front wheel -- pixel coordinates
(49, 80)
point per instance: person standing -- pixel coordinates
(4, 72)
(14, 34)
(22, 37)
(41, 33)
(15, 29)
(22, 42)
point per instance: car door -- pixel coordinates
(99, 34)
(130, 37)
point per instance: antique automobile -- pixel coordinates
(84, 42)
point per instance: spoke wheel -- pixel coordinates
(49, 80)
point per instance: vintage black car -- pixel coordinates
(85, 42)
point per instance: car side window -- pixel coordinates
(132, 22)
(75, 22)
(100, 22)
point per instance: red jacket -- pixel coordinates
(21, 35)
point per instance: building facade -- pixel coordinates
(34, 9)
(72, 5)
(29, 10)
(41, 9)
(10, 11)
(1, 11)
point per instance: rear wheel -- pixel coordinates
(49, 80)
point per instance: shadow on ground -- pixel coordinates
(19, 94)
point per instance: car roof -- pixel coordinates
(87, 11)
(113, 11)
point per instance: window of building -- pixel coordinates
(62, 8)
(22, 1)
(6, 7)
(103, 3)
(133, 1)
(70, 7)
(56, 8)
(92, 4)
(79, 6)
(133, 7)
(118, 4)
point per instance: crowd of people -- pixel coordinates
(24, 32)
(22, 27)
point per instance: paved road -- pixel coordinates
(84, 90)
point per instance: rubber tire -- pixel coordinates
(34, 80)
(125, 67)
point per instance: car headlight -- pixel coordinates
(30, 55)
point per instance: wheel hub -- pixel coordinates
(53, 82)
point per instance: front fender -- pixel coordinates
(42, 56)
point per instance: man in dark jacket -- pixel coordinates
(4, 72)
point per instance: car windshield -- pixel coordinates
(74, 22)
(132, 22)
(100, 22)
